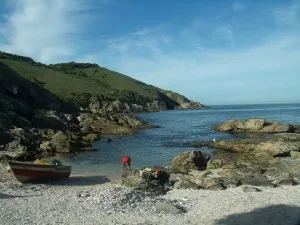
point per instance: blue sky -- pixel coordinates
(216, 52)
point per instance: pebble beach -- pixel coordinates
(98, 200)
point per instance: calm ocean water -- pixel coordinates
(158, 146)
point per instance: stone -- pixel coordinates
(185, 184)
(254, 125)
(214, 164)
(285, 181)
(210, 183)
(295, 155)
(257, 145)
(231, 183)
(231, 165)
(15, 146)
(168, 207)
(248, 188)
(61, 142)
(144, 182)
(92, 137)
(290, 137)
(276, 148)
(46, 146)
(194, 160)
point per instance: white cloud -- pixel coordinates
(238, 7)
(192, 60)
(261, 68)
(42, 29)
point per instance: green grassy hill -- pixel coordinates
(78, 82)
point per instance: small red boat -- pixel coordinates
(25, 172)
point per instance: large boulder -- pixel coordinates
(254, 126)
(146, 181)
(66, 142)
(278, 148)
(237, 146)
(194, 160)
(95, 123)
(91, 137)
(61, 142)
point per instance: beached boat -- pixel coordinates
(25, 172)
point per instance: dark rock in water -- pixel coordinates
(195, 160)
(254, 125)
(200, 144)
(107, 139)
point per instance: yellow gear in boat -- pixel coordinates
(41, 162)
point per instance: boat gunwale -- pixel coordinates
(27, 164)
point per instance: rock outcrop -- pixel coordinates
(40, 100)
(146, 181)
(269, 158)
(246, 169)
(195, 160)
(254, 126)
(274, 148)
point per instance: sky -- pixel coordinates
(216, 52)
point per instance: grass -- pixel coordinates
(77, 82)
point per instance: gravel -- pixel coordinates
(102, 202)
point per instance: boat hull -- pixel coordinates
(26, 172)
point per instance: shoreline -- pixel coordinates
(98, 200)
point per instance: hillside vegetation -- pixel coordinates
(78, 83)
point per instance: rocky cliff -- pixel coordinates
(90, 86)
(62, 108)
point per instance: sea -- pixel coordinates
(178, 128)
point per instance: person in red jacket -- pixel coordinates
(126, 160)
